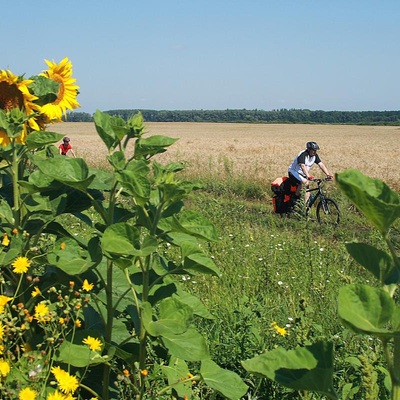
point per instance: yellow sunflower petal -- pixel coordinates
(14, 93)
(67, 93)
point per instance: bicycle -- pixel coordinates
(327, 209)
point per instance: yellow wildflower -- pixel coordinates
(1, 330)
(4, 368)
(279, 330)
(26, 348)
(36, 292)
(67, 383)
(87, 286)
(3, 301)
(21, 265)
(27, 394)
(63, 246)
(144, 372)
(93, 343)
(78, 323)
(42, 312)
(56, 396)
(6, 240)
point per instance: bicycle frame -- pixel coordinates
(318, 189)
(327, 208)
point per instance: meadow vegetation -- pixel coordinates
(280, 276)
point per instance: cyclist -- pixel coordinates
(299, 169)
(65, 147)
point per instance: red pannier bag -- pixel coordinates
(283, 191)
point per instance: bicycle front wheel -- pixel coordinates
(328, 212)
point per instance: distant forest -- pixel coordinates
(292, 116)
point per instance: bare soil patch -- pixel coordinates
(258, 151)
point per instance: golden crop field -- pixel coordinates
(260, 152)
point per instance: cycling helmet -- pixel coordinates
(312, 146)
(66, 139)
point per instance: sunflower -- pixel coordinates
(67, 92)
(14, 93)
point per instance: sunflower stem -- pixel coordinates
(16, 192)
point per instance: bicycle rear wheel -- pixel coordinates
(328, 212)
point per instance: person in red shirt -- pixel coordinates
(65, 147)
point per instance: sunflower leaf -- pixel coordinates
(44, 88)
(41, 138)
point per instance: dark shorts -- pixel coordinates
(294, 180)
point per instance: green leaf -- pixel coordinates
(117, 160)
(124, 239)
(372, 197)
(145, 147)
(305, 368)
(70, 171)
(189, 346)
(195, 303)
(138, 186)
(191, 223)
(14, 250)
(199, 262)
(366, 309)
(174, 317)
(6, 214)
(38, 139)
(68, 256)
(79, 355)
(102, 179)
(176, 372)
(379, 263)
(45, 88)
(225, 382)
(110, 129)
(396, 319)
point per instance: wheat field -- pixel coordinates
(260, 152)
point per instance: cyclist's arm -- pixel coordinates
(323, 167)
(305, 170)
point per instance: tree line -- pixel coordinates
(290, 116)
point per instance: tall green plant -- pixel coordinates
(374, 311)
(91, 312)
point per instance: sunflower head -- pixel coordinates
(67, 90)
(15, 98)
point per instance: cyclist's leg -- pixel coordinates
(295, 181)
(301, 183)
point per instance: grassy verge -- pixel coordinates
(285, 273)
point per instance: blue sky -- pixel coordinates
(213, 54)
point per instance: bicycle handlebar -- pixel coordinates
(320, 180)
